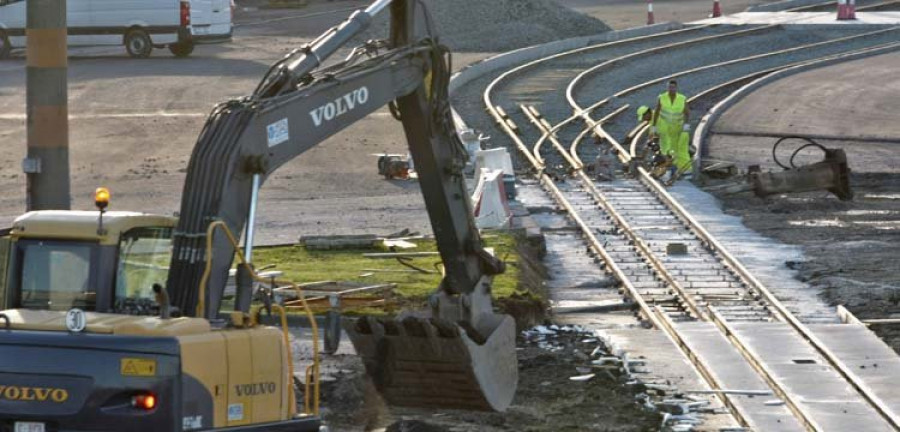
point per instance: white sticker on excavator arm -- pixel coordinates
(278, 132)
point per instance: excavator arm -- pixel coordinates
(463, 355)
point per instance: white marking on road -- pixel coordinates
(113, 115)
(140, 115)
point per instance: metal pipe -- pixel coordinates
(46, 165)
(251, 220)
(325, 47)
(377, 7)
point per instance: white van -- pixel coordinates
(140, 25)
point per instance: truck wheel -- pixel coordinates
(138, 43)
(181, 49)
(5, 47)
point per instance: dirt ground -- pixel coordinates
(547, 400)
(851, 247)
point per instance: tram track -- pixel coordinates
(631, 223)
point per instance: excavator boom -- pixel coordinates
(463, 355)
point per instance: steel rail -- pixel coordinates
(532, 113)
(593, 242)
(509, 127)
(569, 89)
(663, 272)
(763, 371)
(593, 107)
(863, 389)
(573, 150)
(753, 57)
(641, 128)
(711, 242)
(584, 113)
(644, 249)
(518, 69)
(701, 366)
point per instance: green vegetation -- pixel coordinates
(349, 265)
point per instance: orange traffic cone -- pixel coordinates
(717, 9)
(846, 10)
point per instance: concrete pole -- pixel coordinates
(47, 163)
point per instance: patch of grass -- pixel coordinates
(349, 265)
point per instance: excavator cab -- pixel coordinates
(59, 260)
(89, 344)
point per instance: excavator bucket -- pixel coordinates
(434, 363)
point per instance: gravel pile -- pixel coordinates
(501, 25)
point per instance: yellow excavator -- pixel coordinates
(118, 321)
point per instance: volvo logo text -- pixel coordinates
(38, 394)
(255, 389)
(340, 106)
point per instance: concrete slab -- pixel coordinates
(804, 18)
(733, 373)
(867, 356)
(666, 365)
(762, 256)
(820, 391)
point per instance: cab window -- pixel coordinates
(56, 275)
(143, 261)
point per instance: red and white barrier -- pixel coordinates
(846, 10)
(494, 159)
(717, 9)
(472, 142)
(650, 20)
(490, 207)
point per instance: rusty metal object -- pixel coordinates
(831, 174)
(393, 166)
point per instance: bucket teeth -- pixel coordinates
(435, 363)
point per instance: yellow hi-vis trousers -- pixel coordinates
(682, 152)
(669, 134)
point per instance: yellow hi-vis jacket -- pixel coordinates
(670, 111)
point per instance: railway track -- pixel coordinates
(702, 298)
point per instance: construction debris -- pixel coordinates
(592, 355)
(362, 241)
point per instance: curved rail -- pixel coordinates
(548, 132)
(739, 269)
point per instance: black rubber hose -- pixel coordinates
(796, 152)
(808, 140)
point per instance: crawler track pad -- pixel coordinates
(437, 364)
